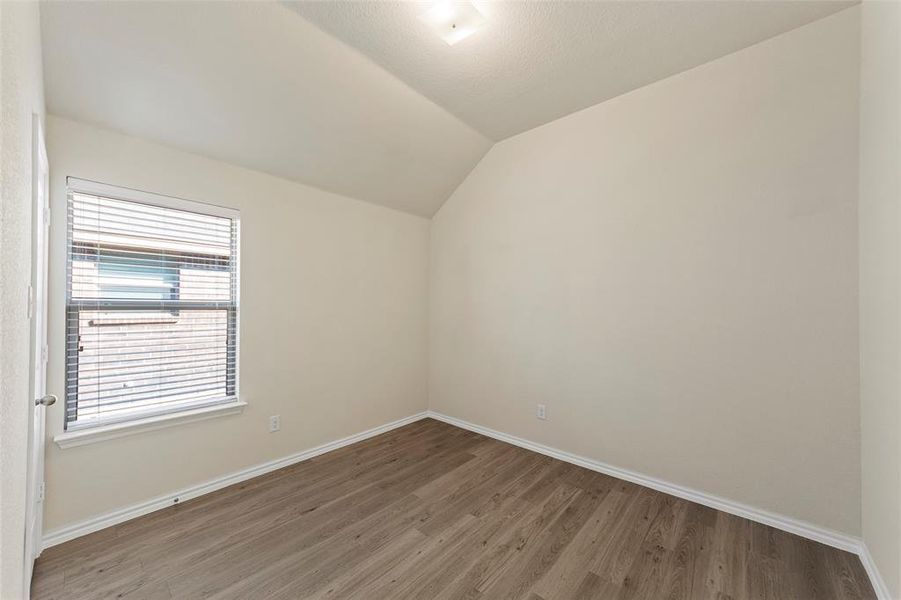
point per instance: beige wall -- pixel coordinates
(673, 273)
(880, 286)
(21, 95)
(333, 323)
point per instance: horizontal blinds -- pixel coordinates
(151, 322)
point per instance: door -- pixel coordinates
(37, 312)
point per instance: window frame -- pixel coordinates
(150, 418)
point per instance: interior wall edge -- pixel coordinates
(879, 287)
(823, 535)
(811, 531)
(879, 584)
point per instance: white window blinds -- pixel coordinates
(151, 305)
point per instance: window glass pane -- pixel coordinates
(131, 360)
(129, 278)
(152, 310)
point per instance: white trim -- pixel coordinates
(101, 433)
(801, 528)
(804, 529)
(98, 433)
(121, 515)
(116, 192)
(882, 591)
(795, 526)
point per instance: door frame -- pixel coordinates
(37, 314)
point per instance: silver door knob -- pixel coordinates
(48, 400)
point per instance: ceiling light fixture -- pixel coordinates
(453, 20)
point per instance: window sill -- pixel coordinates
(71, 439)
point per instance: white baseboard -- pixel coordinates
(802, 528)
(795, 526)
(70, 532)
(882, 591)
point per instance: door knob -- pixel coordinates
(48, 400)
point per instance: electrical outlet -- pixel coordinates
(274, 423)
(541, 412)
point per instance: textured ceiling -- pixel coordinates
(256, 85)
(362, 98)
(537, 61)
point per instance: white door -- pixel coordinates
(37, 309)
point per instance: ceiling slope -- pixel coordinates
(359, 97)
(256, 85)
(537, 61)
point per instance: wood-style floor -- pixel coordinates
(430, 511)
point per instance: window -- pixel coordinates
(151, 305)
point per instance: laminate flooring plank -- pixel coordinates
(569, 573)
(685, 573)
(434, 511)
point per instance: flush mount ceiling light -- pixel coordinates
(452, 20)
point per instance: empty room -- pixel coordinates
(450, 299)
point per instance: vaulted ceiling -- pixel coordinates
(537, 61)
(256, 85)
(360, 98)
